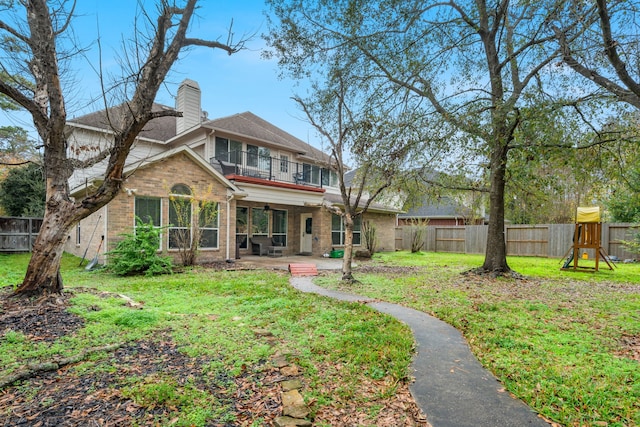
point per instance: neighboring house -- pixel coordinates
(444, 211)
(265, 182)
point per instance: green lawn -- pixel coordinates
(563, 341)
(214, 315)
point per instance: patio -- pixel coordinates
(282, 263)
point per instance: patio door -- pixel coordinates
(306, 235)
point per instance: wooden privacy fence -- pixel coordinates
(546, 240)
(18, 234)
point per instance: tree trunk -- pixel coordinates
(496, 251)
(347, 272)
(43, 273)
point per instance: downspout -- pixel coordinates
(229, 198)
(105, 243)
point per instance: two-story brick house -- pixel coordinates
(264, 182)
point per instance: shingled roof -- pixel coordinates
(161, 129)
(444, 207)
(248, 124)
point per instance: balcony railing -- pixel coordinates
(254, 165)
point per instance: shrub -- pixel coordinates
(418, 230)
(370, 237)
(137, 253)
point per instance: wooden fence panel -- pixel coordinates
(450, 239)
(18, 234)
(545, 240)
(476, 239)
(560, 239)
(616, 233)
(528, 240)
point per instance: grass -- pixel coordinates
(214, 315)
(554, 339)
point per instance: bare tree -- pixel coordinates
(356, 126)
(36, 30)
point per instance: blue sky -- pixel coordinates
(230, 84)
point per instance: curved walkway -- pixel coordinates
(451, 386)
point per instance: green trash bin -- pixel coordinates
(336, 253)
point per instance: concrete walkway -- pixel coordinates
(451, 386)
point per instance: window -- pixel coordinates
(208, 223)
(284, 163)
(252, 156)
(259, 222)
(311, 173)
(180, 217)
(148, 209)
(279, 226)
(258, 157)
(228, 150)
(338, 230)
(78, 240)
(329, 178)
(242, 227)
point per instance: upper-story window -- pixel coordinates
(228, 150)
(284, 163)
(329, 178)
(311, 173)
(258, 157)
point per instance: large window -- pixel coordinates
(338, 230)
(208, 223)
(180, 217)
(279, 226)
(258, 157)
(259, 222)
(228, 150)
(182, 220)
(329, 178)
(148, 209)
(311, 173)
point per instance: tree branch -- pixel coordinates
(35, 368)
(610, 48)
(620, 92)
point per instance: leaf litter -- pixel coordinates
(92, 393)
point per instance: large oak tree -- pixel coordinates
(474, 63)
(35, 48)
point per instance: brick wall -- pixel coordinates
(385, 230)
(156, 180)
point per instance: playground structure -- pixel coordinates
(587, 235)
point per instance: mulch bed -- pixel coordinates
(72, 396)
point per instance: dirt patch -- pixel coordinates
(38, 322)
(630, 347)
(98, 392)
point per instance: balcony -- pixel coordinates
(252, 165)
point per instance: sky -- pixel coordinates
(230, 84)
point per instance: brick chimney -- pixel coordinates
(188, 102)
